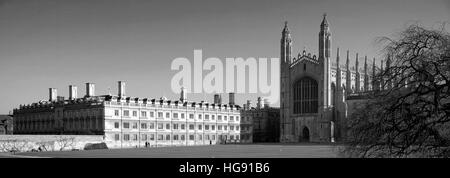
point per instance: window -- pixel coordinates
(213, 127)
(160, 126)
(199, 127)
(231, 127)
(143, 114)
(175, 126)
(160, 137)
(231, 137)
(126, 137)
(126, 125)
(167, 126)
(237, 118)
(206, 127)
(237, 128)
(191, 126)
(191, 116)
(152, 126)
(144, 137)
(237, 137)
(231, 118)
(224, 127)
(143, 125)
(213, 117)
(160, 114)
(199, 137)
(182, 126)
(219, 127)
(134, 113)
(175, 137)
(206, 117)
(135, 125)
(219, 118)
(117, 137)
(182, 137)
(116, 112)
(199, 117)
(225, 118)
(206, 137)
(182, 115)
(305, 93)
(213, 137)
(167, 115)
(116, 125)
(191, 137)
(126, 113)
(167, 137)
(175, 115)
(152, 137)
(135, 137)
(152, 114)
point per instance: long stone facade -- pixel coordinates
(131, 122)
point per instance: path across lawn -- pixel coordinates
(215, 151)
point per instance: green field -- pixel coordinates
(215, 151)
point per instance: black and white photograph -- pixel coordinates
(220, 80)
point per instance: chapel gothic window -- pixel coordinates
(305, 93)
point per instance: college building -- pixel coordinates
(260, 123)
(316, 94)
(6, 125)
(131, 122)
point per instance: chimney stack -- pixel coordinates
(231, 98)
(52, 94)
(217, 99)
(183, 95)
(121, 88)
(90, 89)
(73, 92)
(249, 104)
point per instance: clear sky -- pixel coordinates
(55, 43)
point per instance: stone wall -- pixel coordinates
(24, 143)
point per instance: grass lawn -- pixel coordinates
(215, 151)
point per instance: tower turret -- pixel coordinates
(338, 72)
(324, 59)
(366, 76)
(388, 70)
(348, 77)
(285, 57)
(286, 44)
(358, 75)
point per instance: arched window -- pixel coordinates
(305, 93)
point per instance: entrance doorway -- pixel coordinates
(305, 134)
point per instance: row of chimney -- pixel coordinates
(218, 99)
(90, 91)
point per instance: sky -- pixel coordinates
(56, 43)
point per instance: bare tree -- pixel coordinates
(65, 142)
(408, 115)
